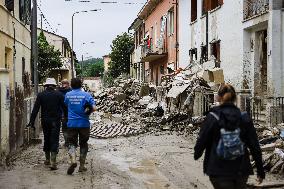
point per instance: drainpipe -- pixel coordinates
(207, 40)
(14, 58)
(177, 43)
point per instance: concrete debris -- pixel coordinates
(272, 145)
(131, 107)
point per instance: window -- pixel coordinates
(193, 10)
(193, 54)
(171, 18)
(152, 37)
(8, 58)
(155, 34)
(23, 66)
(204, 54)
(25, 11)
(9, 5)
(215, 51)
(208, 5)
(136, 39)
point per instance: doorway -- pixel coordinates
(261, 64)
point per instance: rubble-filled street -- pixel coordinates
(141, 94)
(136, 142)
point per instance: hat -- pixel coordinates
(50, 81)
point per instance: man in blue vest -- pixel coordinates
(80, 105)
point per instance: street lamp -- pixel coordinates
(72, 53)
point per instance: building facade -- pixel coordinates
(107, 60)
(246, 44)
(156, 40)
(62, 44)
(16, 96)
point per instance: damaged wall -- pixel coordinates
(184, 38)
(221, 27)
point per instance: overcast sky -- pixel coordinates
(99, 27)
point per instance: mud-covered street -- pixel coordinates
(149, 161)
(146, 161)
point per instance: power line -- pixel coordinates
(45, 19)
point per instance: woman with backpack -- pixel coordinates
(227, 136)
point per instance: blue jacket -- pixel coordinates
(76, 101)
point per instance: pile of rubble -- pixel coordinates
(272, 145)
(131, 107)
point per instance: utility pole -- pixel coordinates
(34, 45)
(72, 51)
(82, 65)
(41, 15)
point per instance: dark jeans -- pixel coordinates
(51, 131)
(83, 134)
(229, 182)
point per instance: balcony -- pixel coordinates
(253, 8)
(148, 53)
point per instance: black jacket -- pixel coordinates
(51, 103)
(63, 91)
(210, 134)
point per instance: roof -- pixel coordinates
(64, 39)
(135, 24)
(148, 8)
(51, 33)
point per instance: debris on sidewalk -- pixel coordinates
(272, 145)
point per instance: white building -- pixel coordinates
(62, 44)
(243, 37)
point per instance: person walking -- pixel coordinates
(63, 89)
(51, 103)
(80, 105)
(225, 136)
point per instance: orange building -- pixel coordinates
(158, 39)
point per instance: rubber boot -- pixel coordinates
(53, 163)
(82, 167)
(73, 164)
(47, 158)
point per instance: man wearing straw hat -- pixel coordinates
(51, 103)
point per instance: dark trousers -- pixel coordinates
(83, 134)
(229, 182)
(51, 131)
(64, 130)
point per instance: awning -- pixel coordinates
(150, 57)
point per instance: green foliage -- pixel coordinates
(92, 67)
(120, 55)
(78, 68)
(48, 57)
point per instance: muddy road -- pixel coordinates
(140, 162)
(148, 161)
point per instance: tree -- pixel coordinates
(97, 69)
(120, 55)
(93, 67)
(48, 57)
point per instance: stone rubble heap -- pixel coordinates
(130, 108)
(271, 140)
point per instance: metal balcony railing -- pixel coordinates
(255, 7)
